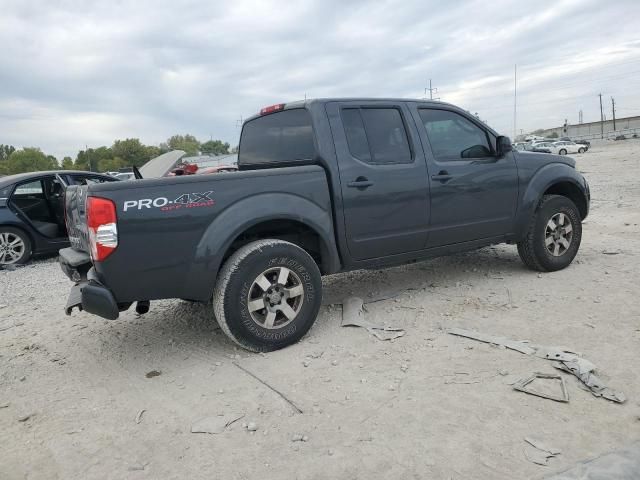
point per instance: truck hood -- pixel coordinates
(542, 159)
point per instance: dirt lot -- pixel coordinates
(427, 405)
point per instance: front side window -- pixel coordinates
(376, 135)
(283, 137)
(453, 137)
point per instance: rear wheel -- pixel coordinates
(582, 150)
(267, 295)
(553, 236)
(15, 246)
(562, 152)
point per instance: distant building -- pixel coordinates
(627, 126)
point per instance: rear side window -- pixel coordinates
(283, 137)
(376, 135)
(31, 188)
(453, 137)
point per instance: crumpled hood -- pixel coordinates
(542, 159)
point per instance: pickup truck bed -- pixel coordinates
(324, 186)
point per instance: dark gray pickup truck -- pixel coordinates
(324, 186)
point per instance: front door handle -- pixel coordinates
(442, 176)
(360, 182)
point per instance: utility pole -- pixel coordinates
(580, 117)
(601, 118)
(431, 90)
(515, 90)
(239, 122)
(613, 110)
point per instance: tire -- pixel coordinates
(271, 325)
(562, 152)
(582, 150)
(14, 241)
(535, 250)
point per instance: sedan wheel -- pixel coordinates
(562, 152)
(13, 247)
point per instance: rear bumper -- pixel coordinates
(88, 293)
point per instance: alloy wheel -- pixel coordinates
(558, 234)
(12, 248)
(275, 298)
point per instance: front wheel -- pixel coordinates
(267, 295)
(581, 150)
(553, 236)
(562, 152)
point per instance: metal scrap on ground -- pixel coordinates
(524, 386)
(215, 425)
(568, 361)
(353, 316)
(539, 453)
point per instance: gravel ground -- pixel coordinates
(427, 405)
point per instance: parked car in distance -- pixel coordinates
(32, 212)
(541, 147)
(564, 147)
(586, 143)
(324, 186)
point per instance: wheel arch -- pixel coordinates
(553, 179)
(274, 215)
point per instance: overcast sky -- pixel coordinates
(81, 72)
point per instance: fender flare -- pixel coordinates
(246, 213)
(541, 181)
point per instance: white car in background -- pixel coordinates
(564, 147)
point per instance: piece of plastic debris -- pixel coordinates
(583, 369)
(139, 416)
(522, 347)
(153, 373)
(539, 453)
(252, 427)
(215, 425)
(4, 405)
(353, 316)
(524, 386)
(567, 360)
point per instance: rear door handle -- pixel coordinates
(442, 176)
(360, 182)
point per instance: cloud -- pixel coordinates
(76, 73)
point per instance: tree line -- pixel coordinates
(123, 153)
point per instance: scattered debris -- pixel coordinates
(252, 427)
(611, 252)
(523, 386)
(583, 369)
(539, 453)
(26, 417)
(522, 347)
(299, 438)
(215, 425)
(282, 395)
(139, 416)
(153, 373)
(568, 361)
(621, 464)
(4, 405)
(353, 316)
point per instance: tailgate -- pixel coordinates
(75, 215)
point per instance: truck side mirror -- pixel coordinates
(503, 145)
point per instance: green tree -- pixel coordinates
(130, 151)
(67, 163)
(30, 160)
(188, 143)
(214, 147)
(111, 164)
(5, 153)
(89, 159)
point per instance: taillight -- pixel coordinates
(272, 108)
(103, 229)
